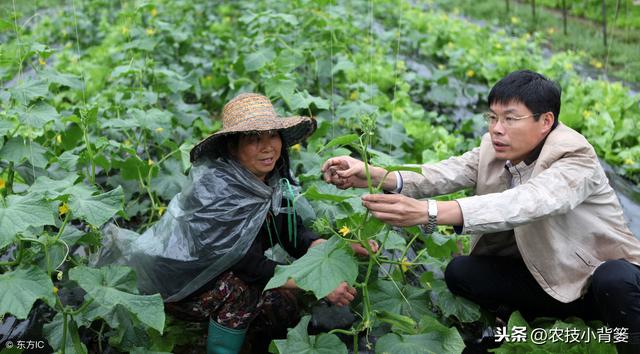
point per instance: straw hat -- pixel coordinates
(251, 112)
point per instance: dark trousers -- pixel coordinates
(502, 285)
(236, 304)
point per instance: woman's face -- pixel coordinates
(258, 152)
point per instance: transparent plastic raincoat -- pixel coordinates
(206, 229)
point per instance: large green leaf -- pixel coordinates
(152, 119)
(20, 212)
(54, 331)
(354, 109)
(18, 150)
(174, 81)
(321, 270)
(25, 91)
(303, 100)
(97, 209)
(38, 115)
(436, 339)
(68, 80)
(68, 160)
(170, 180)
(20, 288)
(324, 191)
(452, 305)
(283, 88)
(392, 241)
(300, 342)
(403, 299)
(129, 334)
(332, 211)
(258, 59)
(340, 141)
(133, 168)
(116, 285)
(394, 135)
(52, 189)
(6, 126)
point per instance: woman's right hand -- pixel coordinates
(342, 295)
(345, 172)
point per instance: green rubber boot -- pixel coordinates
(223, 340)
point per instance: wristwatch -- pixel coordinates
(432, 223)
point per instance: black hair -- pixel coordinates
(534, 90)
(229, 142)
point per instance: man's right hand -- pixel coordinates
(346, 172)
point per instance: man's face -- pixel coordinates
(514, 131)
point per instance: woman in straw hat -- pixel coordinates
(205, 256)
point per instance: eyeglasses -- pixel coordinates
(508, 121)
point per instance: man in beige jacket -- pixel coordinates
(549, 236)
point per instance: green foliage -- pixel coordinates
(298, 341)
(320, 270)
(434, 338)
(20, 288)
(114, 287)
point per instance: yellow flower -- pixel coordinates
(404, 265)
(629, 161)
(471, 73)
(344, 230)
(515, 20)
(55, 290)
(150, 31)
(208, 78)
(58, 138)
(568, 66)
(354, 95)
(2, 183)
(596, 63)
(586, 114)
(551, 30)
(127, 143)
(441, 67)
(63, 209)
(498, 46)
(154, 12)
(159, 129)
(161, 210)
(296, 147)
(124, 30)
(150, 162)
(42, 62)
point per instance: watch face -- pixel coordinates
(433, 208)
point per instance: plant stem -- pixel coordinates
(85, 135)
(100, 337)
(64, 332)
(8, 188)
